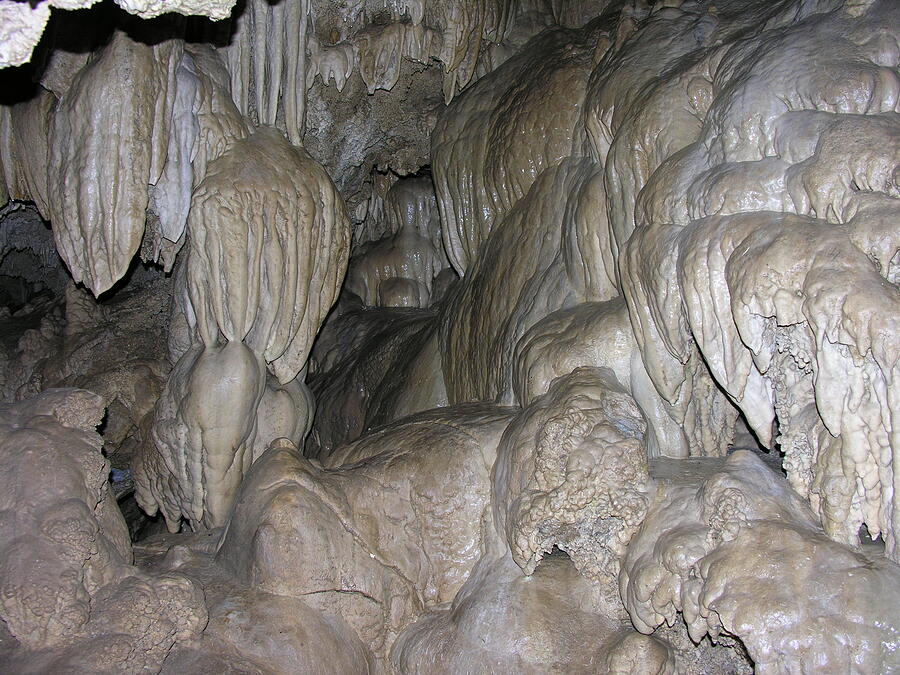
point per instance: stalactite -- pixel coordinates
(268, 56)
(108, 145)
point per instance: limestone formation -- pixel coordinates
(572, 474)
(505, 622)
(399, 269)
(391, 526)
(434, 336)
(156, 142)
(722, 546)
(774, 249)
(355, 388)
(595, 334)
(491, 145)
(268, 246)
(521, 278)
(71, 598)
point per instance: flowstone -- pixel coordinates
(482, 336)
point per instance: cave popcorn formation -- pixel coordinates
(424, 336)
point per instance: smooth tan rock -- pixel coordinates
(357, 358)
(503, 622)
(490, 145)
(392, 527)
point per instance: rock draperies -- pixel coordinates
(128, 163)
(490, 145)
(754, 242)
(269, 241)
(722, 545)
(109, 162)
(108, 144)
(752, 250)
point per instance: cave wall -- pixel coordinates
(441, 335)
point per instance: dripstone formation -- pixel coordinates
(419, 336)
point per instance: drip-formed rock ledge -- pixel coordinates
(420, 336)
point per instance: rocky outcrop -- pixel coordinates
(737, 552)
(70, 596)
(382, 532)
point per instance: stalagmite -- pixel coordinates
(68, 585)
(572, 474)
(560, 479)
(266, 251)
(368, 541)
(421, 336)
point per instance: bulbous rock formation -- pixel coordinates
(155, 142)
(399, 270)
(722, 544)
(759, 249)
(383, 531)
(596, 334)
(572, 474)
(620, 352)
(490, 146)
(267, 248)
(69, 591)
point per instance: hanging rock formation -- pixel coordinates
(759, 245)
(540, 336)
(23, 23)
(268, 245)
(722, 545)
(489, 146)
(400, 269)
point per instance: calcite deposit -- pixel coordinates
(71, 597)
(421, 336)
